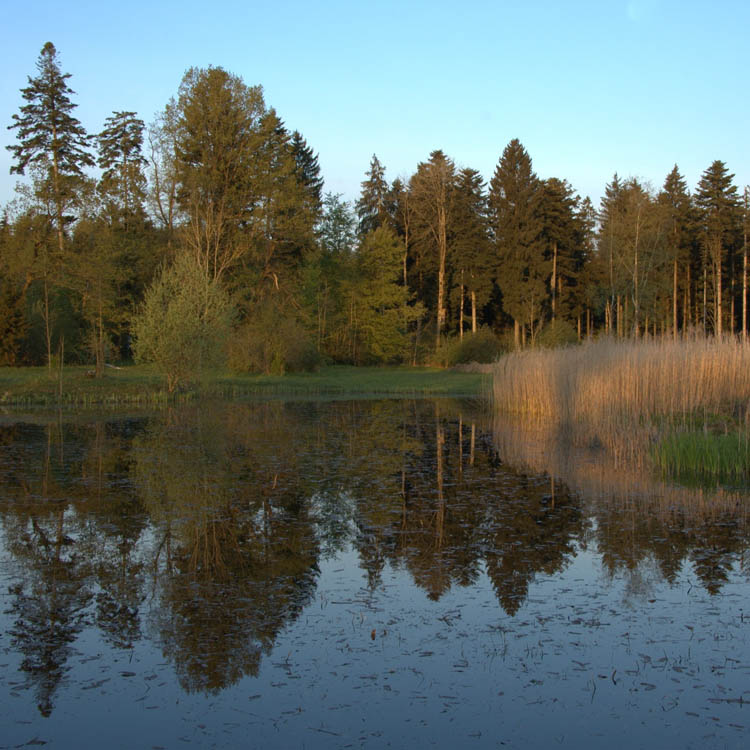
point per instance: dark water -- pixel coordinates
(358, 574)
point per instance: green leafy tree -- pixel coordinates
(219, 122)
(184, 323)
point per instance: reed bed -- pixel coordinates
(609, 382)
(634, 397)
(543, 447)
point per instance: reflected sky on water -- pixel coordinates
(359, 574)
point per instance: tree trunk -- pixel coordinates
(554, 280)
(473, 312)
(461, 311)
(674, 300)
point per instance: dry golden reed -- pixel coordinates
(616, 383)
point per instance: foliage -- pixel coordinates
(483, 347)
(272, 342)
(184, 323)
(517, 225)
(557, 333)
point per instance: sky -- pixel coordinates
(590, 88)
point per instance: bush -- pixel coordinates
(557, 333)
(272, 344)
(183, 324)
(483, 347)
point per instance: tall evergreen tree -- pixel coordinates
(373, 206)
(523, 267)
(676, 203)
(718, 204)
(308, 170)
(123, 183)
(49, 135)
(470, 251)
(560, 233)
(433, 196)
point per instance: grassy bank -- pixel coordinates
(141, 385)
(634, 397)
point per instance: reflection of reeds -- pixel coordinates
(624, 393)
(543, 446)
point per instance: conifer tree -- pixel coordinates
(523, 268)
(433, 195)
(49, 135)
(373, 206)
(676, 203)
(122, 184)
(470, 251)
(718, 205)
(308, 170)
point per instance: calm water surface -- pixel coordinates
(359, 574)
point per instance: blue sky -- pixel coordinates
(590, 88)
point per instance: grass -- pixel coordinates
(703, 458)
(640, 399)
(142, 385)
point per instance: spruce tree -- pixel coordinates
(676, 204)
(720, 223)
(308, 170)
(471, 251)
(373, 207)
(561, 235)
(122, 184)
(49, 135)
(523, 268)
(433, 198)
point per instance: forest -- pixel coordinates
(205, 238)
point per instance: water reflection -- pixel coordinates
(204, 529)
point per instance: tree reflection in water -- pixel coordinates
(203, 528)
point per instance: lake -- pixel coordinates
(372, 573)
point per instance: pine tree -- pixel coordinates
(49, 135)
(523, 268)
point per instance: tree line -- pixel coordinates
(207, 237)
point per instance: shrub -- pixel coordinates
(183, 324)
(483, 347)
(558, 333)
(271, 343)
